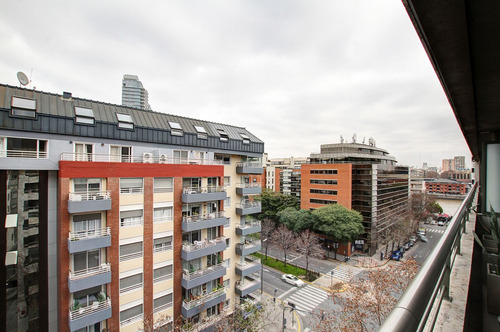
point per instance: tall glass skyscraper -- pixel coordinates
(133, 93)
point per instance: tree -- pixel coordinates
(297, 220)
(339, 223)
(421, 204)
(267, 229)
(283, 238)
(274, 202)
(308, 245)
(435, 208)
(366, 303)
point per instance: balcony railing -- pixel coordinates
(203, 248)
(248, 188)
(203, 190)
(202, 217)
(249, 168)
(89, 239)
(248, 208)
(201, 276)
(141, 159)
(431, 284)
(203, 299)
(103, 268)
(250, 265)
(128, 257)
(249, 227)
(22, 154)
(203, 194)
(89, 234)
(131, 320)
(203, 244)
(247, 248)
(202, 221)
(89, 315)
(89, 196)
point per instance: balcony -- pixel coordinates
(203, 194)
(249, 227)
(194, 223)
(243, 209)
(194, 307)
(88, 278)
(201, 276)
(248, 188)
(203, 248)
(23, 154)
(89, 315)
(246, 286)
(88, 240)
(140, 159)
(249, 266)
(249, 168)
(89, 201)
(247, 248)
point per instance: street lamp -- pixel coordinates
(262, 273)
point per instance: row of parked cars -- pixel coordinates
(420, 235)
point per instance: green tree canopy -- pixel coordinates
(297, 220)
(274, 202)
(338, 222)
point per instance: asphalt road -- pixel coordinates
(421, 250)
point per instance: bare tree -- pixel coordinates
(283, 238)
(267, 228)
(366, 303)
(308, 245)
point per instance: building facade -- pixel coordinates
(361, 177)
(134, 94)
(119, 218)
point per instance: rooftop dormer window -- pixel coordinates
(202, 133)
(224, 137)
(125, 121)
(84, 115)
(175, 128)
(23, 107)
(246, 139)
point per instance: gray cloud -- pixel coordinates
(296, 73)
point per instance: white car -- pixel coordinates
(291, 279)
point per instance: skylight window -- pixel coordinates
(223, 136)
(23, 107)
(246, 139)
(84, 115)
(176, 128)
(202, 133)
(125, 121)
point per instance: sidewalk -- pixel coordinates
(274, 315)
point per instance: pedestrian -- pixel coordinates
(381, 255)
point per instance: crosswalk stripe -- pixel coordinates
(308, 298)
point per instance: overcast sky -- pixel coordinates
(297, 74)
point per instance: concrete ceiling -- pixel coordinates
(462, 39)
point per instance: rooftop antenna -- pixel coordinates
(23, 79)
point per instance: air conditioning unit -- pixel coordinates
(163, 159)
(147, 157)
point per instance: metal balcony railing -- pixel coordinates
(248, 205)
(203, 244)
(22, 154)
(202, 272)
(201, 217)
(203, 190)
(89, 196)
(201, 300)
(103, 268)
(431, 284)
(249, 185)
(89, 234)
(89, 310)
(249, 224)
(141, 159)
(250, 164)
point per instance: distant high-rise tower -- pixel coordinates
(133, 93)
(459, 162)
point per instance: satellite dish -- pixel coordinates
(23, 79)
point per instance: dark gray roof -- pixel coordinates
(54, 105)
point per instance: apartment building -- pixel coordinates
(134, 94)
(118, 217)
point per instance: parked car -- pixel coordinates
(440, 223)
(293, 280)
(396, 255)
(421, 231)
(413, 239)
(423, 238)
(407, 246)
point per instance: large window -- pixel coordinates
(130, 283)
(163, 185)
(86, 222)
(121, 154)
(323, 171)
(86, 185)
(175, 128)
(162, 244)
(131, 185)
(24, 148)
(180, 157)
(163, 214)
(131, 315)
(322, 201)
(162, 302)
(131, 218)
(162, 273)
(130, 251)
(125, 121)
(323, 191)
(323, 181)
(23, 107)
(86, 260)
(84, 115)
(83, 152)
(202, 133)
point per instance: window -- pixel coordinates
(323, 171)
(228, 242)
(224, 137)
(130, 315)
(322, 201)
(163, 214)
(86, 222)
(86, 260)
(130, 251)
(23, 107)
(88, 297)
(213, 311)
(202, 133)
(223, 159)
(125, 121)
(227, 203)
(162, 302)
(228, 222)
(86, 185)
(320, 181)
(83, 151)
(121, 154)
(226, 283)
(180, 157)
(323, 191)
(246, 139)
(131, 185)
(25, 148)
(130, 283)
(227, 181)
(162, 244)
(84, 115)
(227, 263)
(175, 128)
(163, 185)
(130, 218)
(162, 273)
